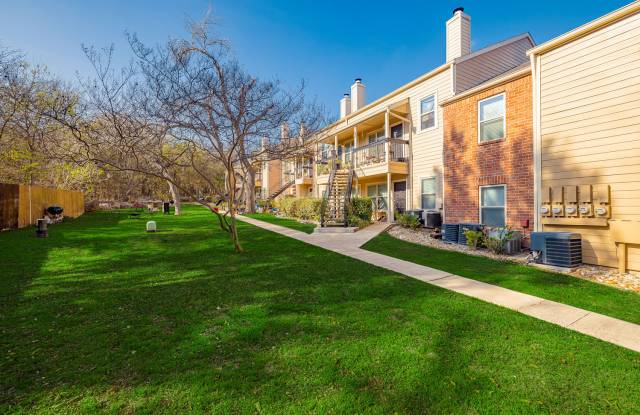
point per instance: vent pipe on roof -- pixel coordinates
(458, 34)
(345, 106)
(357, 95)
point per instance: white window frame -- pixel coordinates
(504, 186)
(395, 125)
(504, 118)
(378, 196)
(369, 134)
(435, 111)
(435, 181)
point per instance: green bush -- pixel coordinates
(288, 206)
(308, 208)
(361, 208)
(495, 239)
(473, 237)
(407, 220)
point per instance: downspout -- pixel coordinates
(537, 141)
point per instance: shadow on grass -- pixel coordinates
(106, 317)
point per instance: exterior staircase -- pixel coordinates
(335, 204)
(281, 189)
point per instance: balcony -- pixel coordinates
(304, 174)
(387, 155)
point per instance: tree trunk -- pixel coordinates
(250, 190)
(175, 195)
(231, 183)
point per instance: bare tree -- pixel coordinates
(221, 112)
(187, 110)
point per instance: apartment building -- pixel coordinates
(488, 153)
(586, 106)
(392, 149)
(290, 176)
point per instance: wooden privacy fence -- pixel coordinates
(21, 205)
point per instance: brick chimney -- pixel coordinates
(458, 34)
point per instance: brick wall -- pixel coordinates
(469, 164)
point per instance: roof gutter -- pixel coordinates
(587, 28)
(497, 81)
(390, 95)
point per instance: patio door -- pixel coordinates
(400, 196)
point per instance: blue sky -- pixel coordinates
(326, 43)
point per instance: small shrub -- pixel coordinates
(473, 237)
(407, 220)
(308, 208)
(361, 208)
(288, 206)
(358, 222)
(495, 239)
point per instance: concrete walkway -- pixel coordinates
(602, 327)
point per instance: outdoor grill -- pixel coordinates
(55, 210)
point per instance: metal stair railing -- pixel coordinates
(347, 197)
(328, 195)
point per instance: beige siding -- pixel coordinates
(478, 69)
(427, 146)
(590, 126)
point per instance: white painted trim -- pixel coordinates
(489, 48)
(435, 178)
(517, 73)
(537, 143)
(480, 201)
(433, 94)
(504, 118)
(587, 28)
(406, 189)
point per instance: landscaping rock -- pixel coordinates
(598, 274)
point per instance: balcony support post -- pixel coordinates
(387, 134)
(410, 165)
(390, 200)
(335, 148)
(354, 153)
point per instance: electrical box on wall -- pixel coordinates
(586, 201)
(545, 202)
(571, 201)
(557, 201)
(602, 201)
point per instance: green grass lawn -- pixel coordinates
(289, 223)
(102, 317)
(613, 302)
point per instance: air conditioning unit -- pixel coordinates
(514, 245)
(560, 249)
(432, 219)
(450, 232)
(462, 239)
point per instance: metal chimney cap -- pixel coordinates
(346, 95)
(458, 9)
(358, 80)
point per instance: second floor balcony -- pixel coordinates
(385, 155)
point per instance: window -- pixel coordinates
(491, 118)
(428, 193)
(348, 149)
(375, 136)
(397, 131)
(492, 205)
(428, 112)
(378, 194)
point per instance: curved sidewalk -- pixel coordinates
(609, 329)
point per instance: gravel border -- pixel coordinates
(598, 274)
